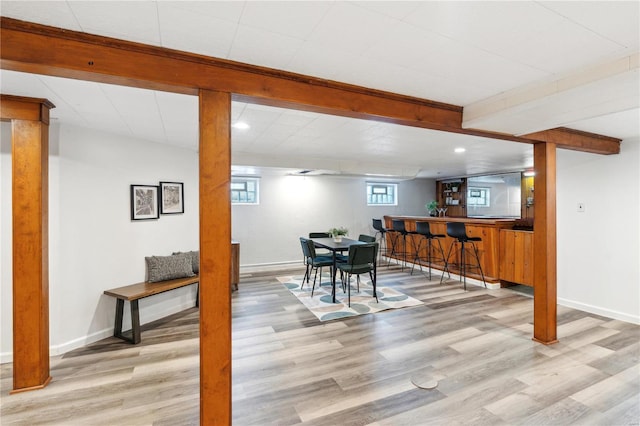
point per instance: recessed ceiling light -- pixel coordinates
(529, 173)
(240, 125)
(459, 150)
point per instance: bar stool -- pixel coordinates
(458, 231)
(399, 229)
(382, 232)
(424, 231)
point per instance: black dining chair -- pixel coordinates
(458, 231)
(313, 262)
(362, 260)
(321, 235)
(366, 238)
(339, 257)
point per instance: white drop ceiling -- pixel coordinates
(515, 67)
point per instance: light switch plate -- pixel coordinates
(581, 207)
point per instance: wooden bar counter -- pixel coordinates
(488, 248)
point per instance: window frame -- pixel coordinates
(244, 180)
(484, 193)
(375, 188)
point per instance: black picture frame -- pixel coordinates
(171, 197)
(144, 202)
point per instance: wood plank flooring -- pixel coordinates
(289, 368)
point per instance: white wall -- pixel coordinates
(293, 206)
(93, 244)
(599, 250)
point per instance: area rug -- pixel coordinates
(363, 302)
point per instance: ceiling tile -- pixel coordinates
(219, 10)
(84, 98)
(617, 22)
(394, 9)
(139, 112)
(132, 20)
(57, 14)
(288, 18)
(481, 24)
(351, 28)
(621, 125)
(516, 31)
(321, 60)
(184, 29)
(264, 48)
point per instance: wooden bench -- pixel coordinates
(135, 292)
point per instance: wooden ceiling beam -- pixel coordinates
(577, 140)
(41, 49)
(46, 50)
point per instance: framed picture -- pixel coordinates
(144, 202)
(172, 197)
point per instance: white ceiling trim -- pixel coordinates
(607, 88)
(343, 166)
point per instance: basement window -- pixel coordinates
(478, 197)
(382, 194)
(245, 190)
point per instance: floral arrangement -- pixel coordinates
(338, 232)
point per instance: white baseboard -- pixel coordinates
(6, 357)
(634, 319)
(79, 342)
(269, 267)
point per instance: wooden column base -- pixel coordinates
(545, 343)
(31, 388)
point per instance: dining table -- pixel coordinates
(335, 247)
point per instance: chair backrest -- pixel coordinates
(305, 247)
(311, 247)
(457, 230)
(363, 254)
(398, 225)
(377, 225)
(366, 238)
(319, 235)
(423, 228)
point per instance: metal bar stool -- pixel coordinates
(458, 231)
(424, 230)
(401, 231)
(382, 232)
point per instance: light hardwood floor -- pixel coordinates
(289, 368)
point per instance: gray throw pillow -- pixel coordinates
(195, 259)
(162, 268)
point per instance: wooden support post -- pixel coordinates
(544, 236)
(215, 258)
(30, 207)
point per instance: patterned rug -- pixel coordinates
(322, 306)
